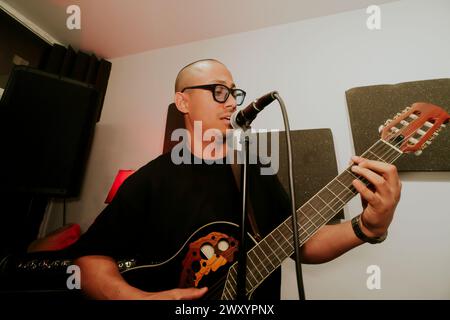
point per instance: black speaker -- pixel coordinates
(48, 123)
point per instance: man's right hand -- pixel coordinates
(101, 279)
(176, 294)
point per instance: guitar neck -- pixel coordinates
(267, 255)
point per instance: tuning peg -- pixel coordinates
(405, 110)
(380, 128)
(425, 145)
(418, 152)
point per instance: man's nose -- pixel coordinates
(231, 102)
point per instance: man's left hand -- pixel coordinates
(382, 199)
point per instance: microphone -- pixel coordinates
(241, 119)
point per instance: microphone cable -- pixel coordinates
(298, 266)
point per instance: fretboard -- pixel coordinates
(270, 252)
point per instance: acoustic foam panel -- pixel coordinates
(370, 106)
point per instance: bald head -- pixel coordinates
(189, 73)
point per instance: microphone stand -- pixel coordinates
(242, 259)
(295, 224)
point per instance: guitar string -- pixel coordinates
(218, 285)
(390, 151)
(289, 236)
(279, 248)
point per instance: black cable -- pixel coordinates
(301, 289)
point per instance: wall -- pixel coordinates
(311, 63)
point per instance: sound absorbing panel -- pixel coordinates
(80, 66)
(47, 131)
(370, 106)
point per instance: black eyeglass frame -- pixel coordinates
(212, 88)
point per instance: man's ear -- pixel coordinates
(181, 103)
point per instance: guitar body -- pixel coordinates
(203, 260)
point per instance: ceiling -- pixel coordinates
(114, 28)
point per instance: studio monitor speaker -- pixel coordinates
(47, 128)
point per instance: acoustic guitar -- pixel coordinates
(208, 256)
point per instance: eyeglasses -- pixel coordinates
(221, 92)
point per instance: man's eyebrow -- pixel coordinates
(233, 85)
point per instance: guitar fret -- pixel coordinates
(346, 187)
(286, 225)
(227, 295)
(260, 244)
(273, 252)
(375, 156)
(276, 240)
(302, 234)
(391, 146)
(330, 199)
(290, 229)
(318, 206)
(363, 180)
(259, 260)
(232, 291)
(335, 195)
(268, 254)
(325, 203)
(284, 229)
(317, 212)
(285, 232)
(232, 278)
(312, 222)
(227, 291)
(302, 221)
(249, 272)
(279, 243)
(287, 241)
(347, 177)
(343, 191)
(257, 269)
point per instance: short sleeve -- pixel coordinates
(115, 231)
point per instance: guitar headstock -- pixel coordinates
(413, 129)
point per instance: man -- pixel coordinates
(162, 200)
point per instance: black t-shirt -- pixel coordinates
(160, 205)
